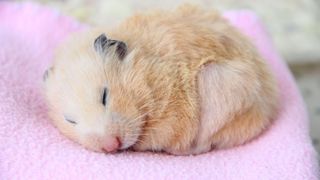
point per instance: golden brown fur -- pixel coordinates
(178, 64)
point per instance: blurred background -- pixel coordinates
(293, 24)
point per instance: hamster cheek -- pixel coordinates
(64, 128)
(75, 133)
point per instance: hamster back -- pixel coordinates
(182, 81)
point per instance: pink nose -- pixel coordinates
(111, 144)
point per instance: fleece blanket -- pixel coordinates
(31, 148)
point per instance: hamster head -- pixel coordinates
(89, 94)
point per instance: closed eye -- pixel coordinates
(69, 120)
(104, 96)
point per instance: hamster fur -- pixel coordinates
(188, 82)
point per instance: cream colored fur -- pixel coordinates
(190, 82)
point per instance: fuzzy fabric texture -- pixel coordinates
(31, 148)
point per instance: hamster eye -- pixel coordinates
(104, 96)
(69, 120)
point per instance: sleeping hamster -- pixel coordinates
(181, 81)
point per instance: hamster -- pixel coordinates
(180, 81)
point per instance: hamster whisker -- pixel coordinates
(140, 141)
(140, 116)
(151, 128)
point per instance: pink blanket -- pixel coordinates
(31, 148)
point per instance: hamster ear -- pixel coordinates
(100, 43)
(121, 49)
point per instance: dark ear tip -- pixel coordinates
(101, 44)
(102, 37)
(121, 49)
(100, 41)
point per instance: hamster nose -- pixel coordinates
(111, 144)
